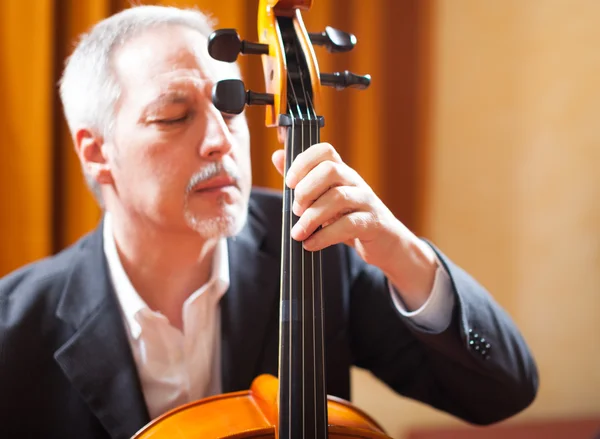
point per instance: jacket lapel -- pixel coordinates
(97, 359)
(249, 307)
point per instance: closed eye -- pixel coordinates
(174, 120)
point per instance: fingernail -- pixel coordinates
(296, 208)
(290, 179)
(296, 231)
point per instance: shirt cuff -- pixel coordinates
(436, 313)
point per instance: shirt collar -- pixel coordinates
(130, 301)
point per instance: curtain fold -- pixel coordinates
(26, 150)
(45, 205)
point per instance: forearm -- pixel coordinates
(483, 368)
(440, 366)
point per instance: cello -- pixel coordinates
(295, 405)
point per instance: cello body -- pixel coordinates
(252, 414)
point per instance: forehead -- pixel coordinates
(164, 56)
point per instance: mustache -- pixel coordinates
(212, 170)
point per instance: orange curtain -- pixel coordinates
(45, 204)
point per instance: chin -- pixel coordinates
(228, 222)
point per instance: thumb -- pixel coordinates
(278, 159)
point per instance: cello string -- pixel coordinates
(292, 300)
(318, 311)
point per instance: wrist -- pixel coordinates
(412, 271)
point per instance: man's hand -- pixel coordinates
(330, 194)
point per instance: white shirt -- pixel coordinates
(176, 367)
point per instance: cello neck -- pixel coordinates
(302, 383)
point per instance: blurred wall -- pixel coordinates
(513, 186)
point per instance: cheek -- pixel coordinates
(149, 168)
(243, 158)
(242, 140)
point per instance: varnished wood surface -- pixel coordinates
(252, 414)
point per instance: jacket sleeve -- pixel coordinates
(478, 369)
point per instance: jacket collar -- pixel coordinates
(97, 359)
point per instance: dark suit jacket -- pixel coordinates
(66, 369)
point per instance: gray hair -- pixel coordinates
(89, 89)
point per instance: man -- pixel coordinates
(174, 296)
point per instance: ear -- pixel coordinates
(92, 152)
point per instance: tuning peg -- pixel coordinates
(341, 80)
(225, 45)
(230, 96)
(334, 40)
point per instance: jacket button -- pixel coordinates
(479, 344)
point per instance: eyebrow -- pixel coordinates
(168, 97)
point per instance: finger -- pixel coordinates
(345, 229)
(278, 159)
(308, 159)
(319, 180)
(334, 204)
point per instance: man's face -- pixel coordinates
(176, 161)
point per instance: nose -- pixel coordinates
(217, 140)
